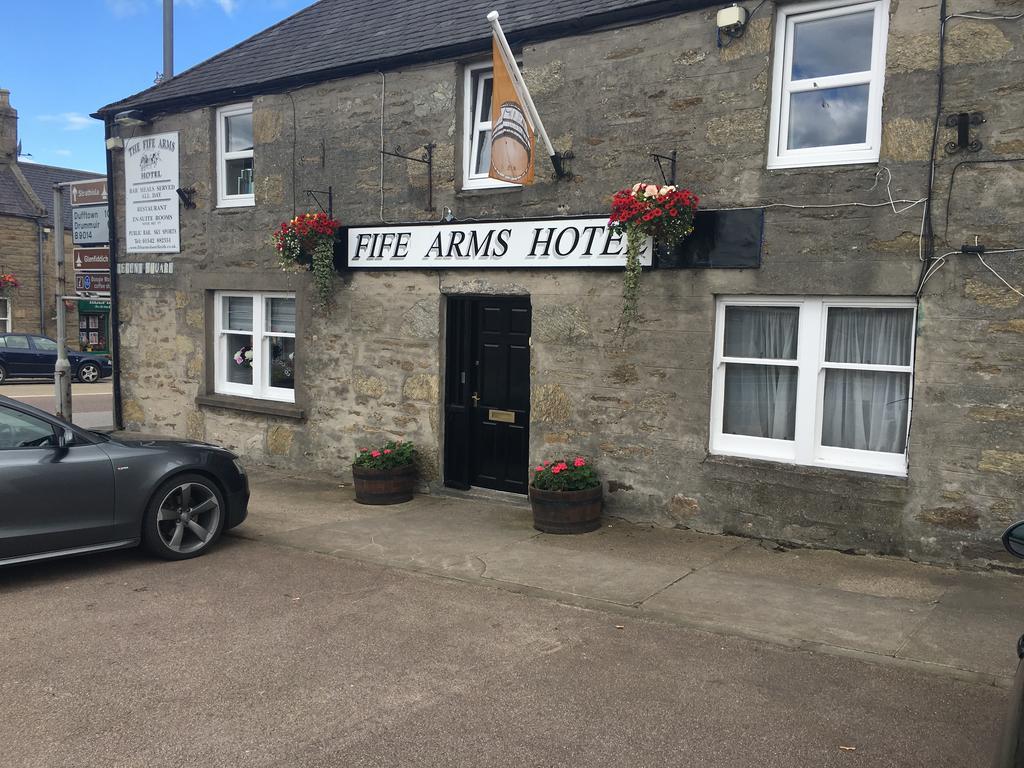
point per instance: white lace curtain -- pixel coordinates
(865, 409)
(760, 400)
(862, 409)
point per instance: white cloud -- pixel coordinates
(71, 121)
(228, 6)
(63, 152)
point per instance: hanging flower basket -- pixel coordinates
(308, 241)
(8, 283)
(647, 210)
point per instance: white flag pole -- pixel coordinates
(520, 85)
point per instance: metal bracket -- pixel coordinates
(314, 195)
(187, 195)
(672, 164)
(427, 160)
(963, 121)
(558, 162)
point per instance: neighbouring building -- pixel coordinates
(821, 363)
(26, 247)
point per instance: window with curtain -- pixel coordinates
(255, 345)
(817, 381)
(5, 315)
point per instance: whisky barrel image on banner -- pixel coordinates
(511, 148)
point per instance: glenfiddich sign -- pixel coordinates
(497, 245)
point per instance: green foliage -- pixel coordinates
(394, 454)
(631, 281)
(323, 273)
(576, 474)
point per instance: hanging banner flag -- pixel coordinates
(512, 140)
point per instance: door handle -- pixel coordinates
(476, 399)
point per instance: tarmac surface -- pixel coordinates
(264, 655)
(92, 405)
(447, 632)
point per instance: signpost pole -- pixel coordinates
(62, 370)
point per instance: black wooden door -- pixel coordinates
(487, 430)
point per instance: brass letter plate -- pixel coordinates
(508, 417)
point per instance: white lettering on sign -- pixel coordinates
(540, 244)
(151, 197)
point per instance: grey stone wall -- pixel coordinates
(373, 367)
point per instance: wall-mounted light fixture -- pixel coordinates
(115, 142)
(130, 118)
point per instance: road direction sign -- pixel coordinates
(92, 282)
(86, 259)
(92, 192)
(90, 224)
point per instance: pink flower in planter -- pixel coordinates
(555, 470)
(387, 450)
(540, 469)
(375, 454)
(363, 450)
(579, 462)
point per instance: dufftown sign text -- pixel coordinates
(498, 245)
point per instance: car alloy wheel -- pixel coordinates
(3, 374)
(188, 518)
(89, 373)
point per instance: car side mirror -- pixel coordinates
(67, 438)
(1013, 539)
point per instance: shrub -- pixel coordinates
(394, 453)
(576, 474)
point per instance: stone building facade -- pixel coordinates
(614, 91)
(26, 232)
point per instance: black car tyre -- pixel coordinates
(185, 516)
(88, 373)
(3, 374)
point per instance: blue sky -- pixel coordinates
(63, 59)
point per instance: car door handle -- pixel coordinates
(476, 399)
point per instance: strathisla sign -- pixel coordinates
(536, 244)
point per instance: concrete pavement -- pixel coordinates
(92, 405)
(885, 610)
(258, 656)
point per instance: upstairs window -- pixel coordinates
(476, 146)
(827, 87)
(235, 156)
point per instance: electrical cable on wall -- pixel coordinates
(383, 82)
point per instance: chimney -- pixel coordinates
(8, 128)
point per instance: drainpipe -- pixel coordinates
(115, 322)
(41, 240)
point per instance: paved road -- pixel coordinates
(92, 405)
(259, 655)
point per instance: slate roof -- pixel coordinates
(40, 179)
(335, 38)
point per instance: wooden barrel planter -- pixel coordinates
(384, 486)
(567, 511)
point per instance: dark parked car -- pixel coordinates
(1011, 746)
(26, 356)
(69, 491)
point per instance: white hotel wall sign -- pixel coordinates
(537, 244)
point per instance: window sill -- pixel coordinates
(495, 190)
(886, 479)
(225, 207)
(795, 164)
(252, 405)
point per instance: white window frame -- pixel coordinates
(5, 314)
(806, 448)
(261, 338)
(783, 88)
(225, 200)
(472, 127)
